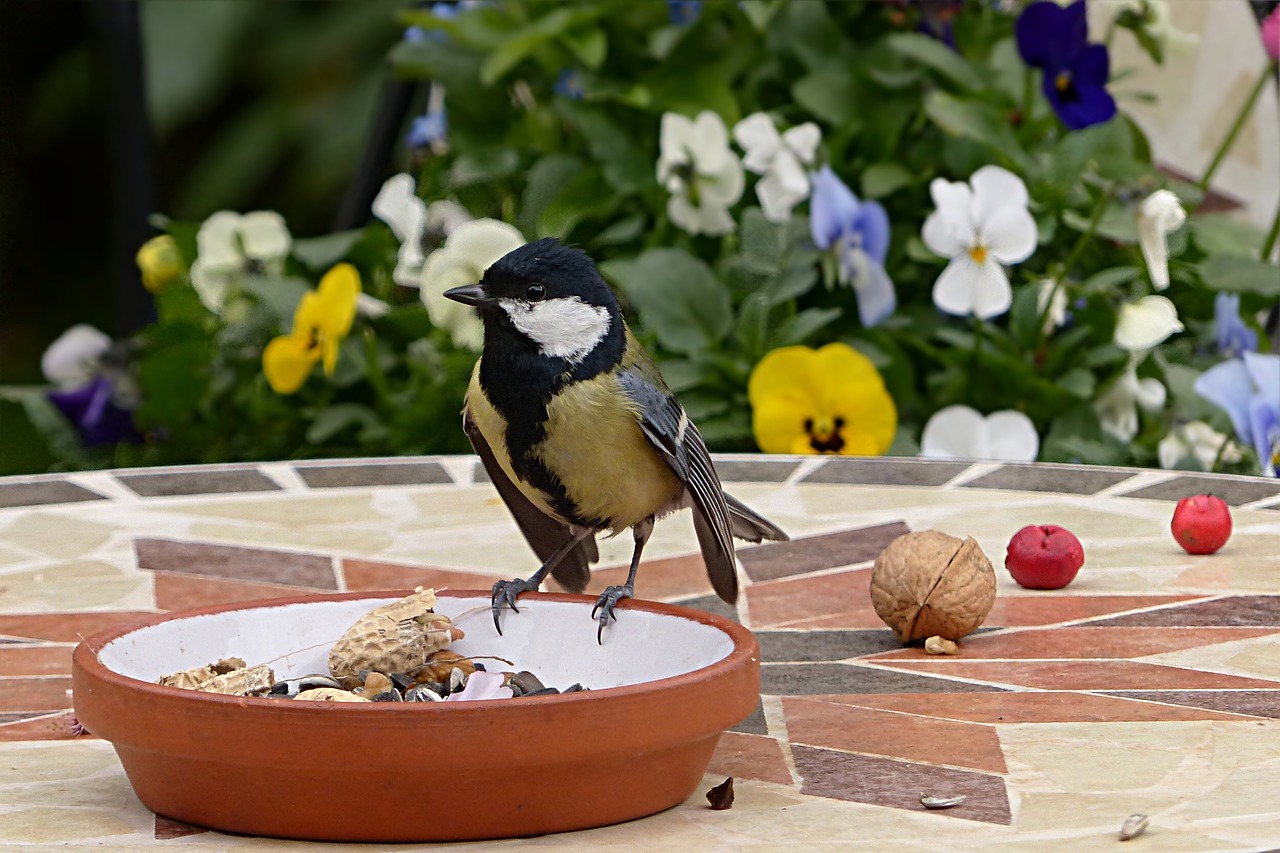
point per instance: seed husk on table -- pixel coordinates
(1134, 825)
(721, 796)
(931, 802)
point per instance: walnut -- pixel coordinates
(928, 583)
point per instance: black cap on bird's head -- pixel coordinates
(549, 294)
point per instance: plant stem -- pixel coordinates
(978, 328)
(1237, 126)
(1028, 94)
(1270, 242)
(1099, 210)
(1216, 467)
(373, 369)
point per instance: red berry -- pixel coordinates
(1201, 524)
(1044, 556)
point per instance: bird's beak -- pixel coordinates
(470, 294)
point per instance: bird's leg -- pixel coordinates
(505, 592)
(612, 595)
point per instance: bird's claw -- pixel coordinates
(506, 592)
(605, 604)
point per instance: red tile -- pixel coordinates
(179, 592)
(839, 600)
(659, 580)
(814, 722)
(1059, 643)
(35, 694)
(64, 627)
(35, 660)
(371, 575)
(1060, 707)
(747, 756)
(1085, 675)
(167, 828)
(1034, 610)
(41, 726)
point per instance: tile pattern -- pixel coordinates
(1064, 713)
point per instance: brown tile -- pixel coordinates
(35, 694)
(1257, 703)
(754, 470)
(750, 757)
(899, 784)
(814, 722)
(312, 571)
(1233, 490)
(807, 679)
(774, 560)
(1059, 643)
(39, 726)
(659, 580)
(180, 592)
(35, 660)
(786, 646)
(167, 828)
(64, 627)
(377, 474)
(1085, 674)
(886, 471)
(1050, 609)
(805, 600)
(1011, 707)
(372, 575)
(212, 481)
(1065, 479)
(1232, 611)
(44, 492)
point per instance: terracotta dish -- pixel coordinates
(662, 688)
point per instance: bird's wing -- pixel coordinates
(543, 532)
(669, 430)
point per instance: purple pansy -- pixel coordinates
(91, 408)
(858, 232)
(1234, 337)
(683, 12)
(1248, 388)
(1056, 40)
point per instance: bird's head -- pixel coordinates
(546, 294)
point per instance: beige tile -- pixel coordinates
(1258, 657)
(48, 824)
(57, 534)
(300, 510)
(75, 585)
(347, 540)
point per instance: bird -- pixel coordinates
(579, 433)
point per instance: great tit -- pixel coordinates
(579, 433)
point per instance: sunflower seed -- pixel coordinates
(930, 802)
(1134, 825)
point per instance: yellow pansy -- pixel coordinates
(830, 400)
(160, 262)
(323, 319)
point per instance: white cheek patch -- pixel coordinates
(564, 328)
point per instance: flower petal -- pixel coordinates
(217, 245)
(1230, 387)
(264, 235)
(675, 144)
(477, 245)
(211, 284)
(966, 287)
(1011, 437)
(287, 361)
(1143, 324)
(872, 224)
(832, 208)
(73, 358)
(955, 432)
(710, 143)
(803, 139)
(758, 137)
(1265, 372)
(995, 188)
(782, 188)
(877, 298)
(1117, 408)
(950, 230)
(1264, 420)
(1049, 36)
(1151, 395)
(723, 187)
(1009, 234)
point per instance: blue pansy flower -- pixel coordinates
(1056, 40)
(1248, 389)
(1234, 337)
(683, 12)
(569, 84)
(92, 409)
(858, 232)
(429, 130)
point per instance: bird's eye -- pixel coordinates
(535, 292)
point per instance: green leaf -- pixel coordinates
(883, 179)
(753, 326)
(481, 165)
(1025, 314)
(626, 165)
(678, 296)
(589, 45)
(1241, 275)
(342, 417)
(581, 198)
(1078, 382)
(58, 433)
(800, 327)
(831, 95)
(1108, 281)
(530, 37)
(977, 121)
(547, 177)
(762, 239)
(936, 55)
(622, 231)
(280, 296)
(320, 253)
(1117, 223)
(791, 283)
(173, 382)
(1225, 234)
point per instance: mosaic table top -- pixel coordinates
(1150, 685)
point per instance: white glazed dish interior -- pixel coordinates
(555, 640)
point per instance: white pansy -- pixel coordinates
(399, 206)
(1160, 213)
(72, 360)
(1198, 440)
(703, 175)
(1057, 309)
(444, 215)
(228, 243)
(466, 254)
(1143, 324)
(980, 226)
(781, 159)
(960, 432)
(1117, 407)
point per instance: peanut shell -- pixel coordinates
(396, 637)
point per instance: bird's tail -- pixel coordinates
(747, 524)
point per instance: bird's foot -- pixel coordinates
(506, 592)
(605, 604)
